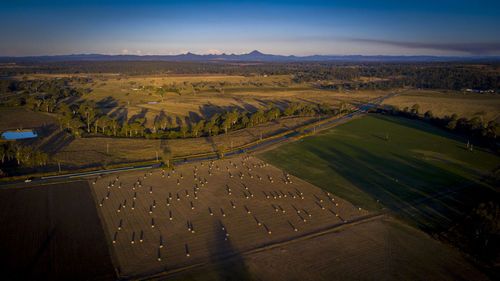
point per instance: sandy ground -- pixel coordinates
(216, 209)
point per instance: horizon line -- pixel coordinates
(247, 53)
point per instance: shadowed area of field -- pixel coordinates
(52, 232)
(381, 249)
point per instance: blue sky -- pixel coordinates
(385, 27)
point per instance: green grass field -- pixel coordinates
(379, 162)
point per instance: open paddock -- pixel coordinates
(469, 105)
(160, 220)
(379, 249)
(52, 232)
(12, 118)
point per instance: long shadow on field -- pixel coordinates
(139, 115)
(246, 106)
(419, 125)
(232, 269)
(424, 194)
(120, 113)
(107, 104)
(208, 110)
(56, 142)
(193, 117)
(29, 272)
(178, 121)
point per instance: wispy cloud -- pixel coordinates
(477, 48)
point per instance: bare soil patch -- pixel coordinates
(52, 232)
(376, 250)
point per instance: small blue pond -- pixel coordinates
(15, 135)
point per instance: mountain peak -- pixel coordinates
(255, 52)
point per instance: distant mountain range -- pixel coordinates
(254, 56)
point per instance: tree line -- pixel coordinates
(23, 156)
(85, 119)
(474, 128)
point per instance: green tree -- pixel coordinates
(198, 127)
(114, 125)
(324, 108)
(221, 151)
(184, 129)
(103, 122)
(166, 157)
(415, 109)
(89, 113)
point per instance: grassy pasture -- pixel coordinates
(447, 103)
(122, 96)
(418, 162)
(12, 118)
(52, 232)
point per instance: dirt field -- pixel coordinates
(382, 249)
(213, 214)
(52, 232)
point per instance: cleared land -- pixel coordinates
(379, 162)
(12, 118)
(52, 232)
(159, 221)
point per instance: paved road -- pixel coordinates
(265, 143)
